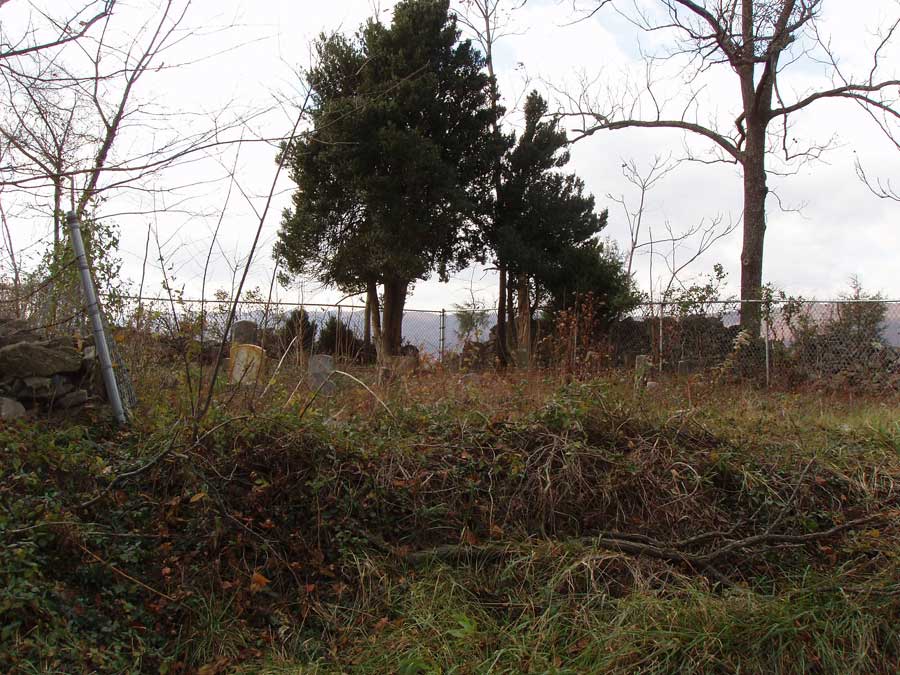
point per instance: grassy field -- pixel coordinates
(459, 524)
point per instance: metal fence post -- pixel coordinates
(338, 330)
(443, 332)
(93, 308)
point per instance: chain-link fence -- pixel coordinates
(838, 343)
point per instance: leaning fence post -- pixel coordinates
(443, 332)
(93, 308)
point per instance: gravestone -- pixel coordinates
(320, 368)
(642, 365)
(244, 333)
(245, 364)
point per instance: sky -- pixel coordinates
(824, 226)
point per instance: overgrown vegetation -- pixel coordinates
(480, 524)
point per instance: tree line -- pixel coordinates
(405, 173)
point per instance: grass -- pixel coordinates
(287, 545)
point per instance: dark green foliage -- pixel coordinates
(542, 213)
(547, 226)
(336, 337)
(298, 325)
(394, 173)
(594, 268)
(59, 606)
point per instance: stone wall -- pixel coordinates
(43, 373)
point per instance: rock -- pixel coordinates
(73, 399)
(38, 387)
(44, 388)
(38, 359)
(10, 387)
(37, 382)
(11, 409)
(13, 331)
(244, 333)
(61, 385)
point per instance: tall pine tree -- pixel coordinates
(547, 226)
(394, 177)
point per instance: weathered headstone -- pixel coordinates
(245, 333)
(246, 363)
(320, 368)
(641, 370)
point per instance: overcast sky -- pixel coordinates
(831, 228)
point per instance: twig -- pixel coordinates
(168, 450)
(366, 387)
(125, 575)
(129, 474)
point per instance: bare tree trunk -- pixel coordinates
(755, 192)
(500, 334)
(523, 321)
(375, 315)
(367, 325)
(17, 285)
(512, 334)
(392, 324)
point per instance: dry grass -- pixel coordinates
(347, 513)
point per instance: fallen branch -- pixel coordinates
(643, 545)
(176, 432)
(130, 474)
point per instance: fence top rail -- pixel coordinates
(273, 303)
(354, 307)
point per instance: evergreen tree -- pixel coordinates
(547, 226)
(393, 178)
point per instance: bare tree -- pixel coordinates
(758, 41)
(677, 247)
(74, 128)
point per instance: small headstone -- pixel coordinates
(246, 364)
(641, 370)
(244, 333)
(11, 409)
(321, 366)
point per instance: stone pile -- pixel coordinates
(41, 373)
